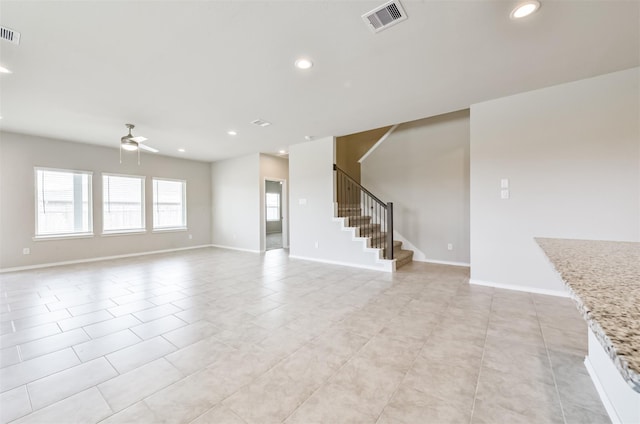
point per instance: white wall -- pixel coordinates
(19, 154)
(315, 234)
(277, 169)
(236, 196)
(423, 168)
(572, 156)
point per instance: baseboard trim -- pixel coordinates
(527, 289)
(435, 261)
(326, 261)
(240, 249)
(98, 259)
(602, 393)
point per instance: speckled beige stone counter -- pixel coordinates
(604, 279)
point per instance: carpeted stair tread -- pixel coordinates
(349, 209)
(354, 221)
(366, 230)
(402, 257)
(397, 245)
(377, 238)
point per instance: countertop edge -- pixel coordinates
(631, 377)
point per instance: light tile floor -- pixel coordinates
(273, 241)
(215, 336)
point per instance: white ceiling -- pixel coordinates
(185, 72)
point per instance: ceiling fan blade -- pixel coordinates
(147, 148)
(138, 139)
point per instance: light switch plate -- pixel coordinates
(504, 183)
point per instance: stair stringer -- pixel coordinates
(388, 265)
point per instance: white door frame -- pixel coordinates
(284, 213)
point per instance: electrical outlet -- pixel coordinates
(190, 236)
(26, 251)
(450, 246)
(317, 244)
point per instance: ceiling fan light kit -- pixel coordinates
(132, 144)
(129, 145)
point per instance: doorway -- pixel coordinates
(274, 214)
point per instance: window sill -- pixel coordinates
(170, 230)
(63, 237)
(122, 233)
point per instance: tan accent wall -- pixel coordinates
(350, 148)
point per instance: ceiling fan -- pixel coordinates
(131, 143)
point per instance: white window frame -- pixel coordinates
(184, 205)
(279, 206)
(79, 234)
(143, 228)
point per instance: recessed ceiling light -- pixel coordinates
(308, 137)
(232, 132)
(525, 9)
(4, 70)
(303, 63)
(181, 150)
(282, 152)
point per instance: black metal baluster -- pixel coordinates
(356, 202)
(390, 228)
(379, 219)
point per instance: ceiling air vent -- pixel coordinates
(382, 17)
(10, 35)
(261, 123)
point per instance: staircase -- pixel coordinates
(364, 228)
(370, 217)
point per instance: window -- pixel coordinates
(169, 205)
(122, 203)
(63, 203)
(273, 206)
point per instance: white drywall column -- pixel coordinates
(311, 196)
(236, 197)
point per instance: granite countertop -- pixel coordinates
(604, 279)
